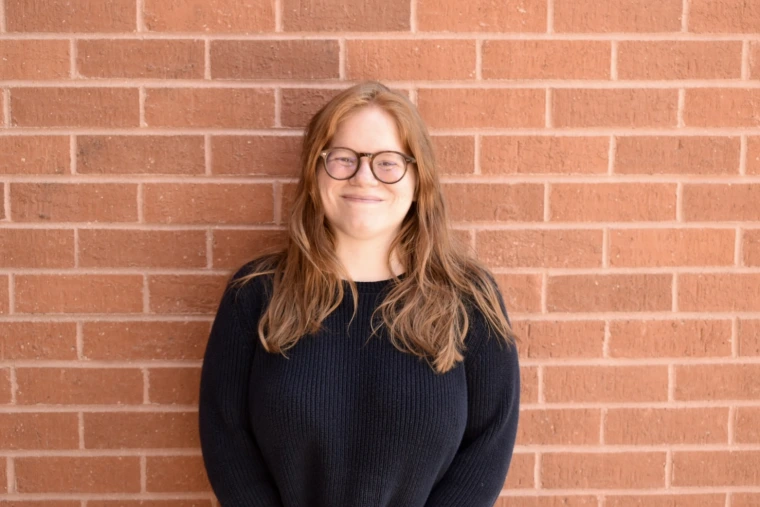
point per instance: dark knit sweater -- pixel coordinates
(352, 422)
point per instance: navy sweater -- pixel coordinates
(347, 421)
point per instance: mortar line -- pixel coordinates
(207, 155)
(209, 249)
(207, 59)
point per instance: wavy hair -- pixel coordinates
(428, 311)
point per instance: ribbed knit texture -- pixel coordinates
(350, 421)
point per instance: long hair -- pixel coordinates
(427, 312)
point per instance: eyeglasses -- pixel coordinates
(387, 166)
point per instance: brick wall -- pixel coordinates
(602, 156)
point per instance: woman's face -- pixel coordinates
(362, 207)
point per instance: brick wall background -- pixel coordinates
(602, 156)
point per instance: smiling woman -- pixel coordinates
(371, 362)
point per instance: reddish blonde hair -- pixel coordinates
(427, 312)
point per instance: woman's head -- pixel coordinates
(366, 118)
(428, 311)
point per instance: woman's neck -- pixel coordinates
(367, 260)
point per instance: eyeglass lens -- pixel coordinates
(388, 166)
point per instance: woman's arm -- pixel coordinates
(477, 473)
(234, 464)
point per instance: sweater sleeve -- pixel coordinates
(477, 473)
(234, 463)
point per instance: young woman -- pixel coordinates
(371, 363)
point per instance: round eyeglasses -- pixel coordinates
(387, 166)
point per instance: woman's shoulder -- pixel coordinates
(253, 280)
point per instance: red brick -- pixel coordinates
(62, 107)
(753, 152)
(234, 248)
(547, 501)
(80, 474)
(80, 386)
(176, 203)
(617, 16)
(475, 108)
(521, 202)
(754, 60)
(721, 107)
(670, 338)
(43, 431)
(39, 503)
(130, 341)
(719, 292)
(749, 330)
(5, 386)
(410, 59)
(174, 385)
(298, 105)
(560, 339)
(540, 248)
(181, 474)
(328, 16)
(4, 298)
(186, 294)
(728, 202)
(36, 248)
(715, 468)
(73, 202)
(144, 58)
(481, 16)
(243, 108)
(675, 500)
(614, 108)
(747, 425)
(70, 16)
(217, 16)
(717, 382)
(543, 155)
(275, 59)
(612, 202)
(613, 470)
(677, 155)
(745, 499)
(34, 59)
(528, 384)
(546, 59)
(730, 16)
(79, 293)
(521, 292)
(679, 60)
(130, 248)
(256, 155)
(672, 247)
(37, 340)
(140, 155)
(139, 430)
(559, 427)
(454, 154)
(521, 473)
(609, 293)
(34, 154)
(597, 384)
(655, 426)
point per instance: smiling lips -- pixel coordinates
(361, 198)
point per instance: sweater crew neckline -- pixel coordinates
(373, 287)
